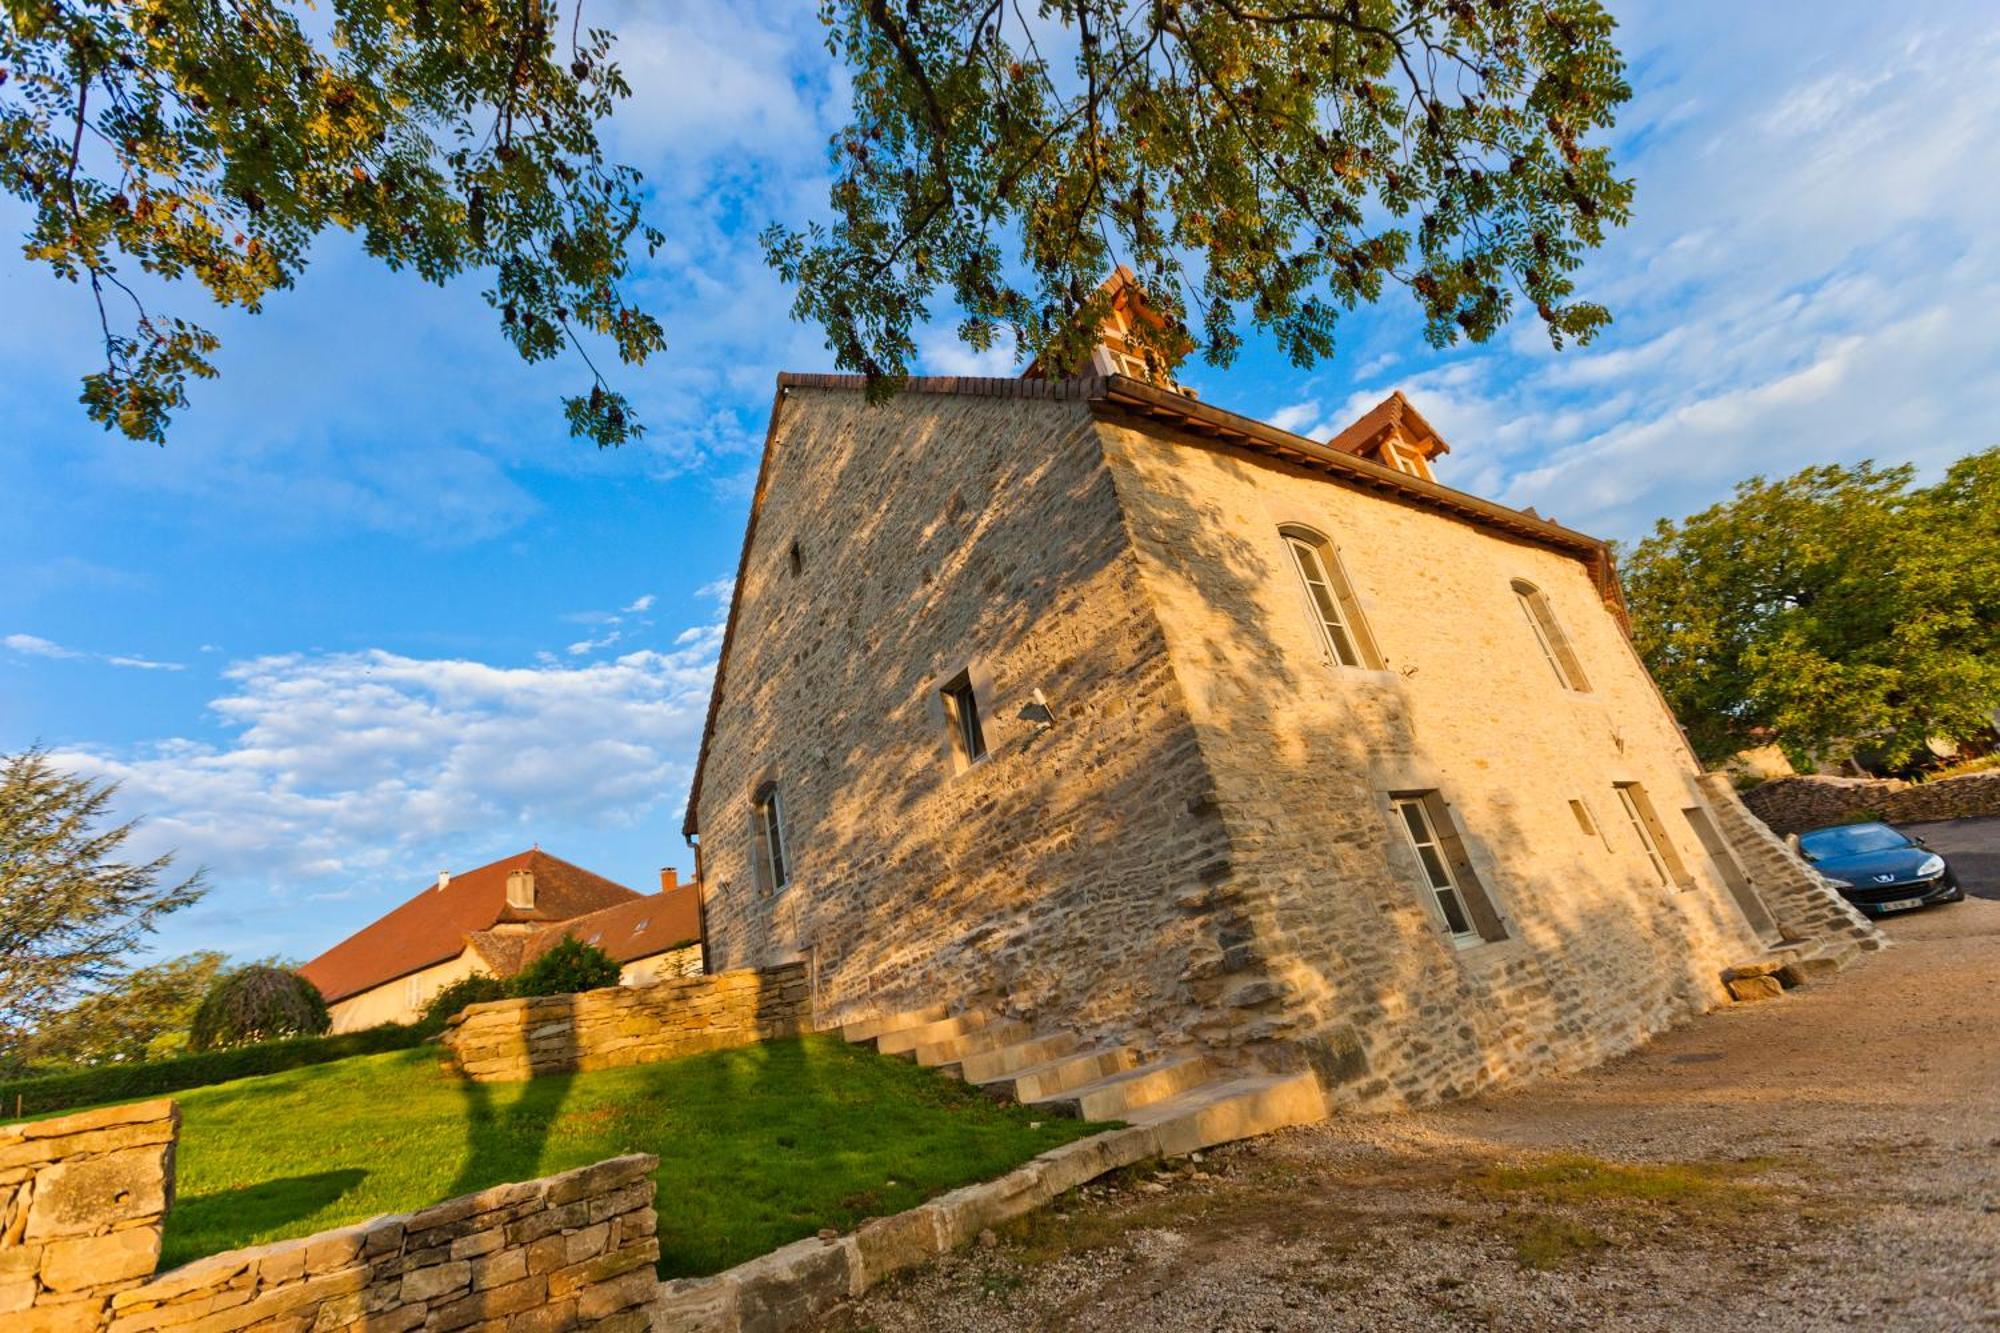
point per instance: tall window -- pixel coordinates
(767, 839)
(1549, 634)
(1652, 839)
(961, 712)
(1343, 633)
(1455, 890)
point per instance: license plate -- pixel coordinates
(1903, 905)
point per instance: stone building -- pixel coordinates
(495, 920)
(1127, 714)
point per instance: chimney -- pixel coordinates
(670, 879)
(521, 889)
(444, 880)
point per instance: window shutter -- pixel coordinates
(1471, 889)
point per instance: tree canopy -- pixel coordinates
(191, 139)
(1280, 162)
(144, 1014)
(1841, 610)
(71, 910)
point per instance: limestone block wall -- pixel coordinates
(1793, 805)
(1327, 942)
(576, 1250)
(1805, 906)
(509, 1040)
(936, 534)
(82, 1201)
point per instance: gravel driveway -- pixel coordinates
(1828, 1160)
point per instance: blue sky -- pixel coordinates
(372, 613)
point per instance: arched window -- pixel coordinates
(1343, 632)
(1549, 634)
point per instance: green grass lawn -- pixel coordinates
(758, 1146)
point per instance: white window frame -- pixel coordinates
(413, 992)
(1330, 601)
(1412, 812)
(1549, 634)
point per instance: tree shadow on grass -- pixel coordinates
(251, 1210)
(507, 1143)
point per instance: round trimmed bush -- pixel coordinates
(570, 966)
(257, 1003)
(475, 989)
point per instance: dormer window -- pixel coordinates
(1407, 459)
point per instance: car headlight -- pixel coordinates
(1933, 865)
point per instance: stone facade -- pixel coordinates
(936, 534)
(672, 965)
(575, 1250)
(509, 1040)
(1793, 805)
(82, 1201)
(1181, 835)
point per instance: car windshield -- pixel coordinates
(1851, 840)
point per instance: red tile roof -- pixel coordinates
(432, 927)
(639, 928)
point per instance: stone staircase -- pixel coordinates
(1056, 1072)
(1782, 969)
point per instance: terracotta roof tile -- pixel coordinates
(639, 928)
(432, 927)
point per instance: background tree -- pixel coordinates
(187, 138)
(443, 1006)
(1279, 161)
(260, 1002)
(569, 966)
(71, 911)
(143, 1014)
(1837, 610)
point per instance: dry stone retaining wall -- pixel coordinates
(1802, 902)
(82, 1199)
(509, 1040)
(571, 1251)
(1793, 805)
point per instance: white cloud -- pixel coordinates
(640, 604)
(355, 769)
(33, 645)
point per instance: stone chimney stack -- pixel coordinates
(521, 889)
(670, 879)
(444, 880)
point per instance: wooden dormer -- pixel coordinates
(1117, 352)
(1394, 434)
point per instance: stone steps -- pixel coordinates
(983, 1067)
(1226, 1109)
(897, 1040)
(868, 1029)
(993, 1036)
(1116, 1096)
(1056, 1076)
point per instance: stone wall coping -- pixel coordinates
(577, 1182)
(79, 1122)
(797, 1283)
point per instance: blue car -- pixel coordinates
(1878, 869)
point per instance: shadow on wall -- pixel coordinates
(507, 1134)
(1223, 881)
(1327, 938)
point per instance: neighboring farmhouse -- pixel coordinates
(496, 920)
(1121, 712)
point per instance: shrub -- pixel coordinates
(569, 967)
(257, 1003)
(475, 989)
(76, 1089)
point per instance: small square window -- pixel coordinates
(961, 711)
